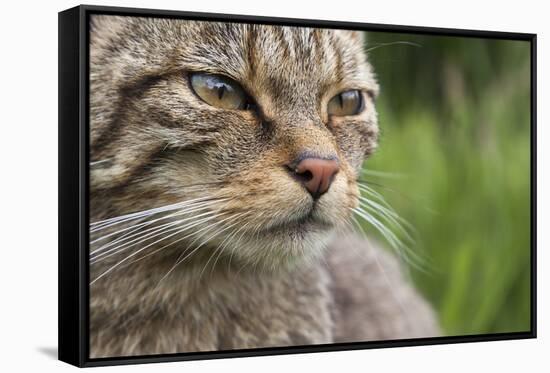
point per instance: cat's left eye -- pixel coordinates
(219, 91)
(346, 103)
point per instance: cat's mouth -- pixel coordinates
(302, 224)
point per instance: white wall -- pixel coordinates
(28, 182)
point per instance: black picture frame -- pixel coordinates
(73, 165)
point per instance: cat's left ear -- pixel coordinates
(356, 37)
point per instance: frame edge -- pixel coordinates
(72, 41)
(69, 211)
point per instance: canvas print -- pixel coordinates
(256, 185)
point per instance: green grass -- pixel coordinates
(461, 147)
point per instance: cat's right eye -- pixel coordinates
(346, 103)
(219, 91)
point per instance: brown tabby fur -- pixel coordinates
(155, 143)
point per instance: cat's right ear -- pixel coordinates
(104, 28)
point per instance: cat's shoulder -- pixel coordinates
(373, 297)
(353, 254)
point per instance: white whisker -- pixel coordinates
(102, 224)
(158, 232)
(143, 248)
(217, 234)
(126, 236)
(382, 174)
(178, 261)
(389, 216)
(380, 45)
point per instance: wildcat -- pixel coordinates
(224, 172)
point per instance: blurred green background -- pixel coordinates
(454, 115)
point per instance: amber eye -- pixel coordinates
(219, 91)
(346, 103)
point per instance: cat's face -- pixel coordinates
(228, 116)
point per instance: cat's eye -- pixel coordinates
(219, 91)
(346, 103)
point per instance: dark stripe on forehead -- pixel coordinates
(282, 42)
(338, 54)
(251, 36)
(315, 38)
(302, 46)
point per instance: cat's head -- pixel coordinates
(255, 133)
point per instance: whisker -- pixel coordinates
(141, 250)
(227, 240)
(164, 228)
(390, 216)
(373, 193)
(95, 163)
(163, 247)
(382, 174)
(363, 185)
(380, 45)
(102, 224)
(401, 249)
(134, 215)
(178, 261)
(402, 225)
(217, 234)
(193, 208)
(243, 229)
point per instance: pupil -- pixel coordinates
(221, 91)
(341, 100)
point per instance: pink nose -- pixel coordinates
(316, 174)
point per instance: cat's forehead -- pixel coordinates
(232, 47)
(288, 65)
(275, 52)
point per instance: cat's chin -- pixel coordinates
(287, 241)
(298, 226)
(284, 248)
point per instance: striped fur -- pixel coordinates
(155, 143)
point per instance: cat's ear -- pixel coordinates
(103, 29)
(355, 37)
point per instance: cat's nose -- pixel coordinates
(315, 174)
